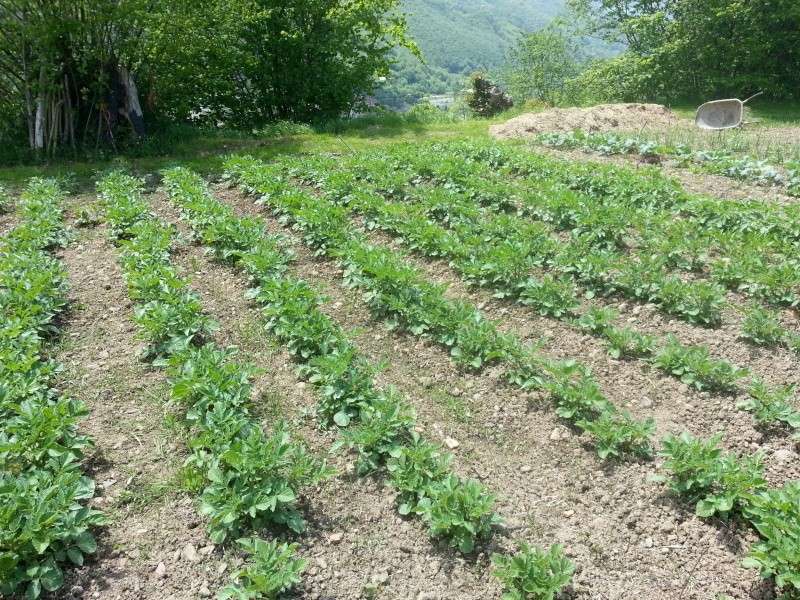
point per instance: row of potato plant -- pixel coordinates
(644, 216)
(377, 424)
(743, 168)
(397, 293)
(597, 252)
(500, 253)
(247, 478)
(614, 219)
(589, 265)
(746, 246)
(45, 521)
(726, 486)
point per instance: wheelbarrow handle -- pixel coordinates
(753, 96)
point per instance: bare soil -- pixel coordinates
(603, 117)
(136, 456)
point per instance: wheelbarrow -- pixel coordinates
(721, 114)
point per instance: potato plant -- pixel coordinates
(720, 483)
(532, 573)
(271, 569)
(45, 521)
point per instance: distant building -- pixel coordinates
(441, 101)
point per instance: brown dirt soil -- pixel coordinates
(603, 117)
(628, 536)
(135, 457)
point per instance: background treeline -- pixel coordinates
(673, 51)
(90, 73)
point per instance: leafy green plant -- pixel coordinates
(616, 434)
(254, 480)
(762, 327)
(385, 426)
(625, 342)
(597, 320)
(720, 483)
(272, 569)
(413, 468)
(550, 296)
(695, 367)
(576, 394)
(532, 573)
(459, 511)
(42, 525)
(770, 405)
(775, 514)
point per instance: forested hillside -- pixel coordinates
(457, 37)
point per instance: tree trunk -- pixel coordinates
(132, 106)
(39, 124)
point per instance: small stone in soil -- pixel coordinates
(335, 538)
(190, 553)
(451, 443)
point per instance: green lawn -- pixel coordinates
(205, 150)
(205, 153)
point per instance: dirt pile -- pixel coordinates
(603, 117)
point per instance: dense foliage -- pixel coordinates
(457, 37)
(90, 73)
(694, 49)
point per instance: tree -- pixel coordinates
(702, 48)
(83, 72)
(539, 65)
(486, 99)
(65, 64)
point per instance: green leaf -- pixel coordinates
(342, 419)
(86, 542)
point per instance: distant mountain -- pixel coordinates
(457, 37)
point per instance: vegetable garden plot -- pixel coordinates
(502, 253)
(305, 214)
(378, 425)
(533, 232)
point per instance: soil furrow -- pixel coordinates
(143, 552)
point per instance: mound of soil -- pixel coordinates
(603, 117)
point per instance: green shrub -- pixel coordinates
(533, 574)
(459, 511)
(271, 570)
